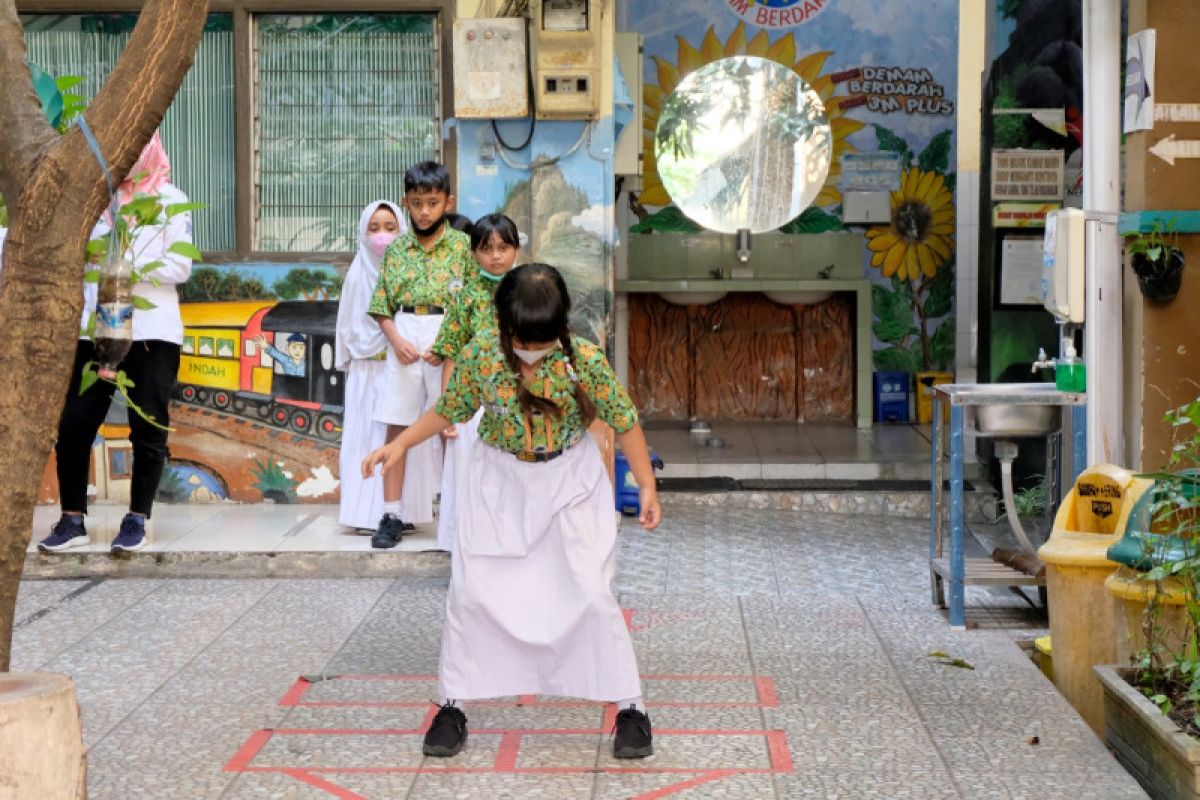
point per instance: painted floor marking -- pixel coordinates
(511, 739)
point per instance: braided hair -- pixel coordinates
(533, 305)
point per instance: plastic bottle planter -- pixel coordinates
(1159, 278)
(114, 317)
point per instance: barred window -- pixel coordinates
(197, 130)
(344, 104)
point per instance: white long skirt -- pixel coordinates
(361, 504)
(454, 470)
(530, 608)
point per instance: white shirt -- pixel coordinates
(150, 244)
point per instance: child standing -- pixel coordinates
(530, 609)
(494, 243)
(361, 353)
(421, 272)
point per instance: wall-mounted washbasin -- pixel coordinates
(692, 298)
(1011, 409)
(798, 298)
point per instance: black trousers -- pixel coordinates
(152, 366)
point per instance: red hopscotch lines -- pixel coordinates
(509, 746)
(317, 782)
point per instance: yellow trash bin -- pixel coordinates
(925, 382)
(1082, 615)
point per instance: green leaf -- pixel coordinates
(892, 143)
(146, 269)
(941, 346)
(897, 358)
(48, 94)
(88, 377)
(893, 314)
(894, 320)
(813, 220)
(668, 219)
(65, 82)
(91, 276)
(936, 155)
(97, 249)
(187, 250)
(179, 208)
(941, 294)
(142, 304)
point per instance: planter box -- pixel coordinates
(1164, 759)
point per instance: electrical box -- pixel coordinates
(1063, 265)
(566, 44)
(628, 157)
(491, 78)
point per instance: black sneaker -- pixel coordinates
(633, 739)
(447, 733)
(68, 532)
(391, 531)
(131, 536)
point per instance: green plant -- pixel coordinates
(1155, 245)
(1168, 666)
(273, 482)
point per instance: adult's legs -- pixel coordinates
(152, 366)
(77, 427)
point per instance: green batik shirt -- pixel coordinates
(482, 379)
(410, 275)
(472, 311)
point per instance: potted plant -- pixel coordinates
(1152, 707)
(1157, 262)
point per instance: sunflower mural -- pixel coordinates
(915, 253)
(783, 51)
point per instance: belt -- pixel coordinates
(422, 311)
(536, 457)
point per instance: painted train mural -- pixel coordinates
(264, 361)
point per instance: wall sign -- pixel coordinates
(1027, 175)
(870, 172)
(1022, 215)
(777, 13)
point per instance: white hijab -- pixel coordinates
(358, 334)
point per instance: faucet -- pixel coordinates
(1043, 361)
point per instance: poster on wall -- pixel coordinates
(1139, 82)
(1021, 271)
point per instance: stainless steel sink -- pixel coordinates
(1012, 409)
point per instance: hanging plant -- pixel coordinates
(1157, 262)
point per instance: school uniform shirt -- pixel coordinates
(413, 276)
(150, 244)
(481, 378)
(472, 311)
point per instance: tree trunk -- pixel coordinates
(56, 191)
(41, 738)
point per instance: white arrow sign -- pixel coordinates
(1177, 112)
(1170, 148)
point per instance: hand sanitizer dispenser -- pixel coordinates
(1063, 265)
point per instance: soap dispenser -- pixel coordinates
(1070, 374)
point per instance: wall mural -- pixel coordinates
(887, 73)
(257, 411)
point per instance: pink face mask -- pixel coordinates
(378, 242)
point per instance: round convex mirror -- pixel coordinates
(743, 143)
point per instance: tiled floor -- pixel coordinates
(792, 451)
(785, 655)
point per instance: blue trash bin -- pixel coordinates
(629, 502)
(891, 396)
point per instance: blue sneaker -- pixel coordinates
(132, 535)
(68, 532)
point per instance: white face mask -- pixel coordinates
(531, 357)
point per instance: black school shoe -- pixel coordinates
(633, 739)
(447, 733)
(390, 532)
